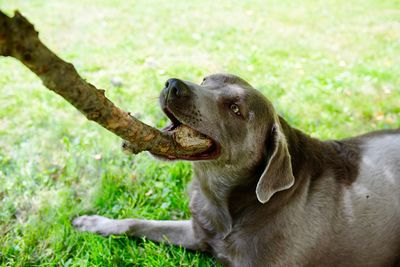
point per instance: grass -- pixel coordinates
(330, 67)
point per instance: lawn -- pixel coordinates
(330, 67)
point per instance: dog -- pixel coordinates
(267, 194)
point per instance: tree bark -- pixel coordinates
(20, 40)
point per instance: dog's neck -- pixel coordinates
(220, 187)
(311, 160)
(217, 182)
(307, 153)
(228, 191)
(312, 157)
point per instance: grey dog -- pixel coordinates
(267, 194)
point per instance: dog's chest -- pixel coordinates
(232, 249)
(231, 246)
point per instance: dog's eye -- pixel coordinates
(235, 108)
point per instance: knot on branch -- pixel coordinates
(130, 148)
(13, 32)
(23, 23)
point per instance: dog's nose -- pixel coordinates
(175, 88)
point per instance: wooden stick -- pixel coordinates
(20, 40)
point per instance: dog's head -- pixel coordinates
(240, 120)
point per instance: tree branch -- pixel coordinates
(20, 40)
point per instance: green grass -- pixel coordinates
(330, 67)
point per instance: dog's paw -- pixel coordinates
(95, 224)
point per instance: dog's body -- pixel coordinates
(275, 196)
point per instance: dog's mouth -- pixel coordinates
(211, 153)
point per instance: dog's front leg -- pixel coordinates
(173, 232)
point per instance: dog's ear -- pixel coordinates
(278, 174)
